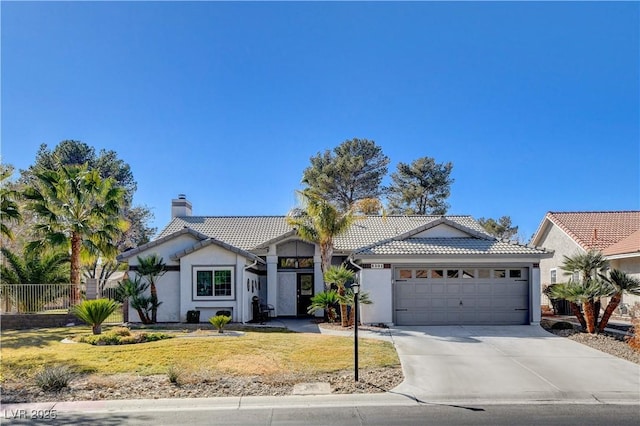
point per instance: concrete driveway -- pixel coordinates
(508, 364)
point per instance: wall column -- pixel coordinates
(536, 310)
(272, 280)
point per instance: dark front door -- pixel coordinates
(305, 293)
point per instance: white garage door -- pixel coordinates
(450, 296)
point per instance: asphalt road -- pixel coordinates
(427, 414)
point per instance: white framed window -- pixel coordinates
(213, 283)
(553, 276)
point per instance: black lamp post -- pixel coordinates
(356, 289)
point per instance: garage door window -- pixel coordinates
(453, 273)
(422, 273)
(484, 273)
(404, 274)
(499, 273)
(437, 273)
(515, 273)
(468, 273)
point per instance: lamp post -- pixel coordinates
(356, 289)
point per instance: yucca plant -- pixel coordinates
(95, 312)
(325, 300)
(219, 321)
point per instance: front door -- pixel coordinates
(305, 293)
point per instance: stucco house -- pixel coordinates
(614, 233)
(417, 269)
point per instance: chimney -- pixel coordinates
(180, 207)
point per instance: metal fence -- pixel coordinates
(47, 298)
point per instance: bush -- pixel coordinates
(95, 312)
(219, 321)
(123, 336)
(562, 325)
(174, 373)
(54, 378)
(634, 340)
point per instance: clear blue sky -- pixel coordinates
(536, 104)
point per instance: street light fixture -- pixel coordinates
(355, 287)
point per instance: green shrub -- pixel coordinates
(219, 321)
(174, 373)
(562, 325)
(122, 336)
(121, 331)
(95, 312)
(54, 378)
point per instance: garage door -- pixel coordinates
(451, 296)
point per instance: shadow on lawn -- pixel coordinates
(39, 338)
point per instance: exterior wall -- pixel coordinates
(377, 282)
(441, 231)
(562, 245)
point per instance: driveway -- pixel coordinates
(508, 364)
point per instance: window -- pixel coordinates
(484, 273)
(453, 273)
(437, 273)
(499, 273)
(295, 263)
(515, 273)
(213, 283)
(468, 273)
(422, 273)
(404, 274)
(553, 277)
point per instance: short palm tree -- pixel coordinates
(152, 268)
(319, 222)
(219, 321)
(620, 283)
(95, 312)
(76, 209)
(340, 276)
(349, 300)
(326, 301)
(9, 211)
(133, 291)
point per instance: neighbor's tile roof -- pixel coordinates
(448, 246)
(597, 230)
(631, 244)
(249, 232)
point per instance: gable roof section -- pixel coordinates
(592, 230)
(210, 241)
(629, 245)
(448, 246)
(133, 252)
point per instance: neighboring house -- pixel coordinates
(417, 269)
(614, 233)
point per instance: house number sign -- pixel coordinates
(377, 266)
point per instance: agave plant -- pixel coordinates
(95, 312)
(326, 301)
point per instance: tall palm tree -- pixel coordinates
(9, 211)
(620, 283)
(319, 222)
(78, 209)
(340, 276)
(152, 268)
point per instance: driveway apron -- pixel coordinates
(508, 363)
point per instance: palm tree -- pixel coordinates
(33, 267)
(621, 283)
(133, 292)
(152, 268)
(78, 209)
(325, 300)
(349, 299)
(95, 312)
(320, 222)
(9, 211)
(340, 276)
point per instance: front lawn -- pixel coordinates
(24, 353)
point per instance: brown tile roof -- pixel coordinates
(597, 230)
(631, 244)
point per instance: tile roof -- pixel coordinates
(249, 232)
(449, 246)
(629, 245)
(595, 230)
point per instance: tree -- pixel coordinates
(620, 283)
(152, 268)
(325, 300)
(586, 290)
(133, 292)
(421, 187)
(369, 206)
(319, 222)
(353, 171)
(77, 209)
(9, 211)
(340, 276)
(349, 299)
(502, 228)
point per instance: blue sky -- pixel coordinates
(536, 104)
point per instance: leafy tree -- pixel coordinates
(340, 276)
(95, 312)
(421, 187)
(326, 301)
(369, 206)
(620, 283)
(9, 211)
(77, 209)
(152, 268)
(502, 228)
(352, 172)
(319, 222)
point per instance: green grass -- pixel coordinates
(25, 352)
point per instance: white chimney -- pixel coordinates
(180, 207)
